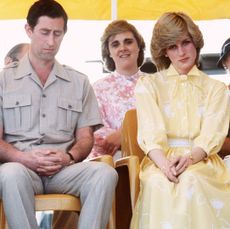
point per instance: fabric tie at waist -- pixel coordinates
(180, 142)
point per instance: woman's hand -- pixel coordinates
(180, 163)
(164, 164)
(110, 144)
(170, 171)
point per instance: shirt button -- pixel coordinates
(17, 103)
(43, 115)
(43, 95)
(40, 141)
(70, 106)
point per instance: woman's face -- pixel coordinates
(182, 54)
(124, 50)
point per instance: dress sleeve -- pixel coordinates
(151, 127)
(102, 99)
(100, 89)
(215, 123)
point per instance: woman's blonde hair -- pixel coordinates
(167, 31)
(114, 28)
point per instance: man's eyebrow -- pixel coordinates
(48, 30)
(45, 29)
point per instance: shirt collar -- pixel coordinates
(25, 69)
(171, 71)
(135, 76)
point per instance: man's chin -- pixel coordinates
(48, 57)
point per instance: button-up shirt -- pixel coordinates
(34, 115)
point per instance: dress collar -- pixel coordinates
(133, 77)
(171, 71)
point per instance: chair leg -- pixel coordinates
(3, 224)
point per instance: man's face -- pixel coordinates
(46, 37)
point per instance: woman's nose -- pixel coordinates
(180, 50)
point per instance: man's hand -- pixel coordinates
(46, 162)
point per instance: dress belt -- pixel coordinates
(180, 142)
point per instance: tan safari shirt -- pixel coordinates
(46, 116)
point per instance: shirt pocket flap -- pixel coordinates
(16, 101)
(73, 105)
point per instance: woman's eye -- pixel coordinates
(186, 42)
(171, 47)
(128, 41)
(114, 45)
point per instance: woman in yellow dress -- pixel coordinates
(183, 118)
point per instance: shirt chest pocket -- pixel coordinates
(68, 114)
(17, 113)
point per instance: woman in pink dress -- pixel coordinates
(123, 53)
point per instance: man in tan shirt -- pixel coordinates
(47, 118)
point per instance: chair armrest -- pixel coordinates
(104, 158)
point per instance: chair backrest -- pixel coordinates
(128, 168)
(129, 145)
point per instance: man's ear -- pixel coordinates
(28, 30)
(7, 60)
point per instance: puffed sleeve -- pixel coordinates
(100, 89)
(215, 122)
(151, 128)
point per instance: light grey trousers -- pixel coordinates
(93, 182)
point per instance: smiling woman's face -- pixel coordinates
(124, 50)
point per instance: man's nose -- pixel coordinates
(51, 40)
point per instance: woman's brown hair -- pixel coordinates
(114, 28)
(167, 31)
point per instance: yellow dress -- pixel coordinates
(176, 112)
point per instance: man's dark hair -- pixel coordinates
(49, 8)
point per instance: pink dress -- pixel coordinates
(115, 95)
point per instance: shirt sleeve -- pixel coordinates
(151, 128)
(215, 123)
(90, 115)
